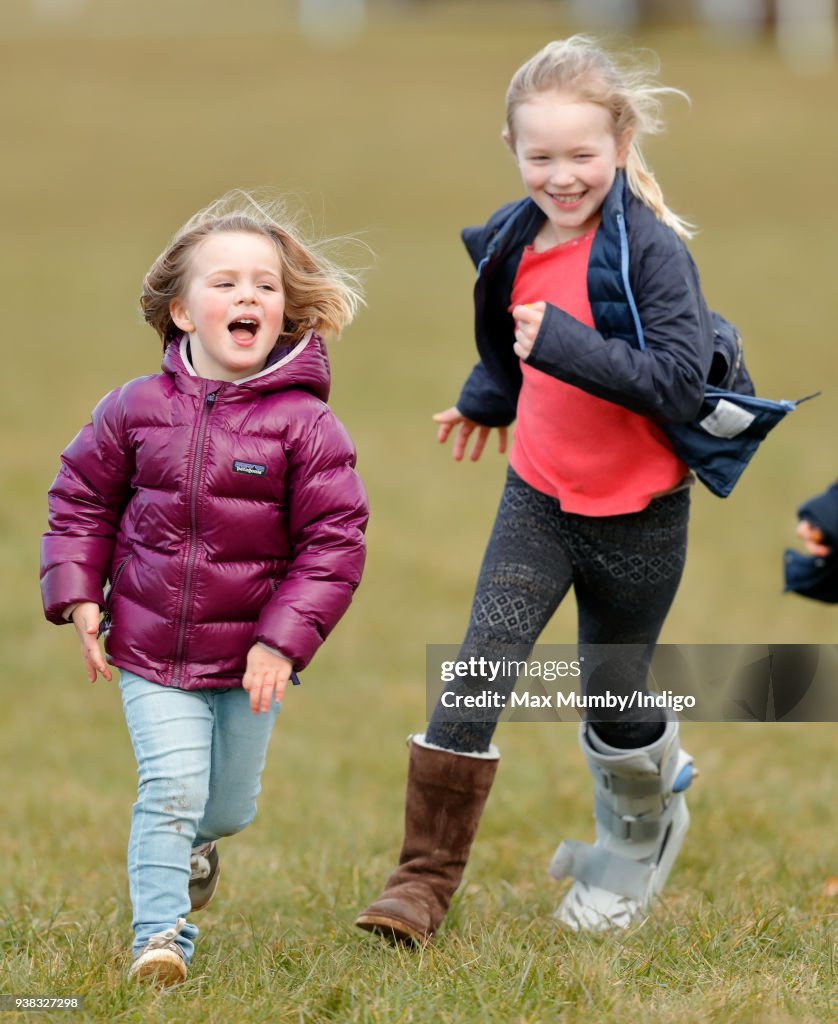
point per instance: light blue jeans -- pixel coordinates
(200, 756)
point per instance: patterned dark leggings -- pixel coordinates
(625, 571)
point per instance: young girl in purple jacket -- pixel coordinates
(220, 501)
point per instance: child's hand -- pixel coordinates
(85, 618)
(813, 539)
(527, 324)
(265, 677)
(450, 418)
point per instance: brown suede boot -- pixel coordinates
(446, 794)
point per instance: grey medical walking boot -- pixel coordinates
(641, 819)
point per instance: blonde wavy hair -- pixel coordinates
(580, 67)
(319, 294)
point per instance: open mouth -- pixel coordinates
(568, 200)
(243, 329)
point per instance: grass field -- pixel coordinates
(114, 132)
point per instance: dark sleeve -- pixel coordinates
(666, 379)
(822, 511)
(483, 401)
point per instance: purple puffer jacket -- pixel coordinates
(223, 514)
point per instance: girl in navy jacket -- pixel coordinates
(595, 496)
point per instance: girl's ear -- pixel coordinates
(180, 316)
(508, 140)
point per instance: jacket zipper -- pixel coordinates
(624, 273)
(192, 555)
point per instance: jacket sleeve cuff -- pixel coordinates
(558, 330)
(822, 511)
(67, 584)
(482, 400)
(289, 633)
(273, 650)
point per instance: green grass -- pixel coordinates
(110, 141)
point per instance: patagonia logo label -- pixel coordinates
(249, 468)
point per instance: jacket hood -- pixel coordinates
(304, 366)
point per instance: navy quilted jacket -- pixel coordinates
(664, 381)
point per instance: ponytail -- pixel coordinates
(643, 184)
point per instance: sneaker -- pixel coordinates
(203, 879)
(161, 961)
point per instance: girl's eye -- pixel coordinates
(224, 284)
(268, 287)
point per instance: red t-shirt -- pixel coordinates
(596, 457)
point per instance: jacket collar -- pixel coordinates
(616, 200)
(524, 218)
(304, 366)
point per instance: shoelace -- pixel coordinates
(162, 939)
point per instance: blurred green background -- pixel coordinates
(116, 125)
